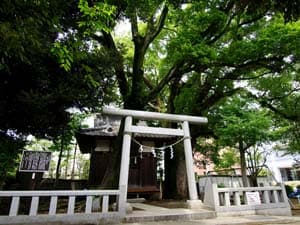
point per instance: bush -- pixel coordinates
(221, 185)
(289, 189)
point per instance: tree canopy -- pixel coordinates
(241, 124)
(36, 86)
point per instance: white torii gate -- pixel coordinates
(129, 128)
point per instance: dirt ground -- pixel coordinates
(295, 205)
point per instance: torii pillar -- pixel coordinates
(129, 128)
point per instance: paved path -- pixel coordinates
(241, 220)
(154, 215)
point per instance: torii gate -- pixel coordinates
(129, 128)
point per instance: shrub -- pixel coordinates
(221, 185)
(289, 189)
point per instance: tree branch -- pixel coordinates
(211, 100)
(225, 29)
(109, 43)
(264, 102)
(244, 78)
(134, 25)
(155, 30)
(173, 72)
(254, 19)
(250, 65)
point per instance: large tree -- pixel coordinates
(185, 57)
(241, 124)
(201, 48)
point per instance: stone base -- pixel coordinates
(194, 204)
(129, 208)
(136, 200)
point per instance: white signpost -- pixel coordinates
(253, 198)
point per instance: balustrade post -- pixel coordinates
(216, 196)
(88, 204)
(53, 205)
(266, 197)
(71, 205)
(275, 196)
(34, 206)
(237, 198)
(105, 204)
(14, 207)
(284, 195)
(227, 198)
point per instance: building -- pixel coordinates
(284, 167)
(98, 142)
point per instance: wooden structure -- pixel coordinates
(98, 142)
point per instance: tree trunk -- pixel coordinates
(57, 175)
(253, 180)
(175, 169)
(169, 190)
(67, 163)
(243, 165)
(175, 185)
(74, 161)
(181, 184)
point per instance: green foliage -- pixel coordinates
(227, 159)
(264, 173)
(47, 67)
(221, 185)
(67, 134)
(64, 142)
(241, 124)
(64, 57)
(289, 189)
(223, 159)
(240, 120)
(10, 150)
(96, 16)
(280, 93)
(35, 144)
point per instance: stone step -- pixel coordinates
(148, 213)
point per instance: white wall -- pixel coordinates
(277, 160)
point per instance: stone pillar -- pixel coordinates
(123, 180)
(189, 166)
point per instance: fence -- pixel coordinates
(61, 205)
(271, 200)
(231, 181)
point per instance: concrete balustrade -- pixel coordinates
(271, 200)
(43, 203)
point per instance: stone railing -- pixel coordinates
(61, 206)
(271, 200)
